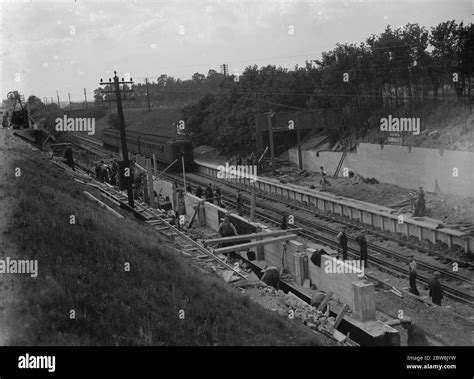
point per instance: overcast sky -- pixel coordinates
(68, 46)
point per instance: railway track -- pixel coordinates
(160, 220)
(313, 230)
(461, 263)
(91, 144)
(427, 266)
(383, 264)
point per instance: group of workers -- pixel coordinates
(324, 179)
(436, 290)
(210, 194)
(214, 195)
(250, 161)
(270, 274)
(107, 172)
(360, 239)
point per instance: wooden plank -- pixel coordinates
(341, 338)
(340, 316)
(154, 222)
(244, 237)
(102, 204)
(245, 246)
(194, 216)
(325, 301)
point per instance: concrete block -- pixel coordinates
(301, 261)
(364, 301)
(227, 275)
(201, 216)
(307, 283)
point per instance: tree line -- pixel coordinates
(400, 68)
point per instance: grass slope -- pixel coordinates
(81, 267)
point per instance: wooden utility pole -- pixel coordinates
(184, 171)
(147, 95)
(85, 96)
(298, 139)
(270, 136)
(57, 94)
(69, 97)
(118, 96)
(252, 202)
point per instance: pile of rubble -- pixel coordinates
(357, 178)
(300, 310)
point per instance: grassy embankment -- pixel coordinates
(82, 267)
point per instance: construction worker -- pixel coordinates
(218, 196)
(436, 291)
(68, 154)
(360, 239)
(271, 276)
(420, 208)
(283, 224)
(227, 229)
(324, 181)
(416, 335)
(98, 172)
(199, 192)
(342, 239)
(103, 172)
(209, 194)
(167, 206)
(239, 203)
(412, 276)
(8, 131)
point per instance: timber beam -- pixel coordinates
(245, 246)
(245, 237)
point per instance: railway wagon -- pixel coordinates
(166, 148)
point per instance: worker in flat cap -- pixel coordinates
(436, 291)
(412, 276)
(416, 335)
(271, 276)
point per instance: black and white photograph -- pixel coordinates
(237, 184)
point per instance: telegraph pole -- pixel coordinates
(57, 94)
(147, 95)
(224, 69)
(252, 201)
(270, 115)
(85, 96)
(118, 97)
(184, 171)
(69, 96)
(298, 139)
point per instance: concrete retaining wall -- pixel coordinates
(401, 165)
(294, 257)
(372, 214)
(165, 187)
